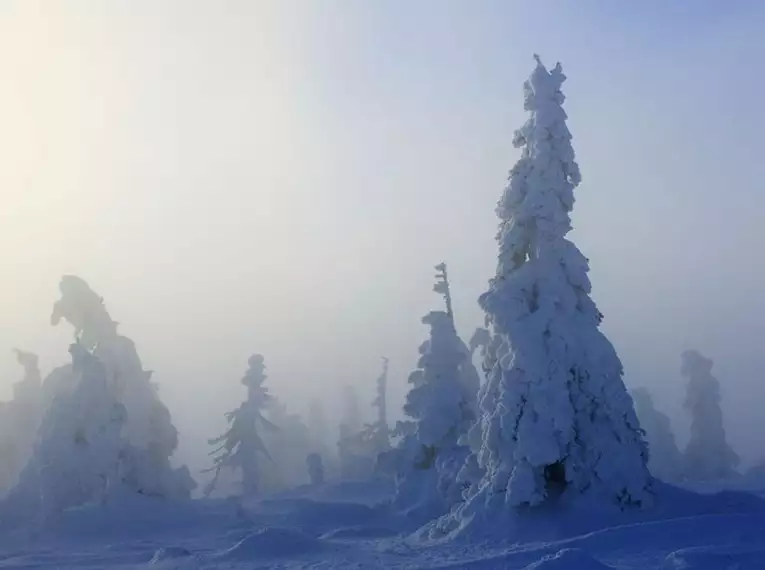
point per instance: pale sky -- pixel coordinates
(280, 177)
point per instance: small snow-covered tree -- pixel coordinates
(20, 419)
(665, 460)
(78, 455)
(441, 408)
(556, 414)
(708, 455)
(149, 428)
(241, 446)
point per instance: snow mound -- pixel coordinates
(272, 542)
(568, 559)
(169, 553)
(711, 558)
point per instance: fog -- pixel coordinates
(281, 176)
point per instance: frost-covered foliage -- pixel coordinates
(440, 412)
(19, 421)
(315, 466)
(241, 446)
(149, 428)
(441, 409)
(556, 413)
(79, 455)
(665, 460)
(708, 455)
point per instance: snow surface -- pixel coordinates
(313, 527)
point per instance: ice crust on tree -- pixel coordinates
(149, 429)
(707, 455)
(665, 460)
(556, 413)
(241, 446)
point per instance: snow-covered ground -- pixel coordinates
(341, 526)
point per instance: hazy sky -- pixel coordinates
(281, 176)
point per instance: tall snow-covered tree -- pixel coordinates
(149, 428)
(556, 414)
(665, 460)
(708, 455)
(241, 446)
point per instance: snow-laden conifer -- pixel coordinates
(665, 460)
(440, 407)
(19, 421)
(708, 455)
(78, 456)
(241, 446)
(149, 428)
(556, 413)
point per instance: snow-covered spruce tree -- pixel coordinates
(21, 418)
(149, 428)
(665, 460)
(241, 447)
(708, 455)
(468, 374)
(441, 408)
(78, 455)
(556, 414)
